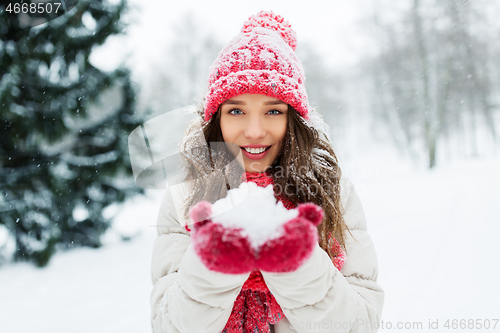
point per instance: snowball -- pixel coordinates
(254, 210)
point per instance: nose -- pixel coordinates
(255, 129)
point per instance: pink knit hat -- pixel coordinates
(259, 60)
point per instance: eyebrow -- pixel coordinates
(274, 102)
(236, 102)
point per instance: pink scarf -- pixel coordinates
(255, 308)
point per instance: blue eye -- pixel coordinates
(235, 111)
(276, 112)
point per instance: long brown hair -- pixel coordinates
(307, 170)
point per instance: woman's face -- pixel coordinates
(256, 125)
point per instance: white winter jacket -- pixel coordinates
(187, 297)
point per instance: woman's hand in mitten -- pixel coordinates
(290, 251)
(220, 249)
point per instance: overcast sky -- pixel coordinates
(334, 27)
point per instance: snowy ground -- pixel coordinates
(86, 290)
(435, 234)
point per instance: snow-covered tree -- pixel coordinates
(63, 144)
(433, 76)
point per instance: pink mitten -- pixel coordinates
(290, 251)
(220, 249)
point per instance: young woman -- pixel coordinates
(256, 125)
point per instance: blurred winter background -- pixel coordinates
(410, 89)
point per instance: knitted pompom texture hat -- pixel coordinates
(259, 60)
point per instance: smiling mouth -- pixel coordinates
(256, 150)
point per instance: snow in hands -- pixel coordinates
(254, 210)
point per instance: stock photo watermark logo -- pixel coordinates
(158, 152)
(157, 161)
(26, 14)
(154, 149)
